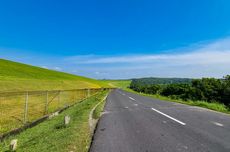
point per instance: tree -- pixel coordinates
(152, 89)
(175, 89)
(208, 89)
(226, 91)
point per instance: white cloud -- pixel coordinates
(58, 68)
(198, 60)
(202, 57)
(210, 59)
(212, 53)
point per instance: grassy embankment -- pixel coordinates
(99, 109)
(52, 135)
(123, 84)
(213, 105)
(20, 77)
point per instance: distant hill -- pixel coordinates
(19, 77)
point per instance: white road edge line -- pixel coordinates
(182, 123)
(131, 98)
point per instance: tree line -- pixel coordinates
(205, 89)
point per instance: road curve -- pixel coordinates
(133, 123)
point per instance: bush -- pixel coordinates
(175, 89)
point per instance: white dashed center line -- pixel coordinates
(178, 121)
(218, 124)
(131, 98)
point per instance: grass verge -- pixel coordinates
(99, 109)
(52, 135)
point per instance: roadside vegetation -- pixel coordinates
(21, 77)
(53, 135)
(209, 93)
(99, 109)
(213, 105)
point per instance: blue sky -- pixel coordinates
(119, 39)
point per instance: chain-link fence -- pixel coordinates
(20, 108)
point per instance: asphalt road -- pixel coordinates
(133, 123)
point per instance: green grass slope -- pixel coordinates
(20, 77)
(53, 136)
(123, 84)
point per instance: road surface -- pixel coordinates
(133, 123)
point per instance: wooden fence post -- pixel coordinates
(59, 99)
(46, 102)
(26, 108)
(88, 92)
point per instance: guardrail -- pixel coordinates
(18, 109)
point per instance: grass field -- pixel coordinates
(14, 114)
(52, 135)
(123, 84)
(49, 135)
(21, 77)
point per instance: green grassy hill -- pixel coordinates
(20, 77)
(123, 84)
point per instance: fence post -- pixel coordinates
(26, 107)
(46, 104)
(75, 96)
(88, 92)
(59, 99)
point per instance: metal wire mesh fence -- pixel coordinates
(20, 108)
